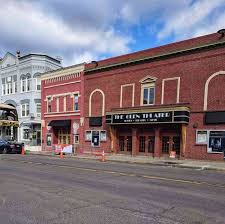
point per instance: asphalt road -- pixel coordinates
(40, 189)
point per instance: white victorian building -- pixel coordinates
(20, 86)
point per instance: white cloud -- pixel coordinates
(80, 30)
(192, 19)
(27, 24)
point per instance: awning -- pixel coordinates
(59, 123)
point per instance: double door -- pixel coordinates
(125, 143)
(146, 144)
(171, 143)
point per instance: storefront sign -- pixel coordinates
(143, 117)
(217, 117)
(149, 117)
(216, 141)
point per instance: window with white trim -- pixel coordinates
(9, 85)
(64, 103)
(49, 106)
(26, 84)
(57, 104)
(88, 135)
(76, 139)
(25, 110)
(76, 105)
(3, 89)
(29, 84)
(148, 90)
(38, 109)
(26, 133)
(38, 84)
(148, 94)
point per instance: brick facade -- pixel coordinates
(60, 87)
(113, 86)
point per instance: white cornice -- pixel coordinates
(62, 72)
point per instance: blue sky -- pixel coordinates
(81, 31)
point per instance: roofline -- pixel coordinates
(132, 61)
(43, 55)
(43, 75)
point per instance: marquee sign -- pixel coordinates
(148, 117)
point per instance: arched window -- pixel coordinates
(26, 82)
(37, 77)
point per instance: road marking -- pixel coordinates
(121, 173)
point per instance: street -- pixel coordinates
(42, 189)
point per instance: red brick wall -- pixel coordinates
(216, 93)
(127, 96)
(193, 69)
(170, 91)
(72, 84)
(97, 104)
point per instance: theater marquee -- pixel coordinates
(181, 116)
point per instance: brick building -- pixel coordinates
(62, 107)
(152, 102)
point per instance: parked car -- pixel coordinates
(9, 146)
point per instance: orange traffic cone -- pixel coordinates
(61, 154)
(23, 150)
(103, 156)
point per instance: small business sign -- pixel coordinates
(149, 117)
(142, 117)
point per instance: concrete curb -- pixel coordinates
(154, 163)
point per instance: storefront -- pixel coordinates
(158, 102)
(155, 132)
(31, 134)
(62, 109)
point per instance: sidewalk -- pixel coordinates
(183, 163)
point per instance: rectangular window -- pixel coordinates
(148, 95)
(3, 89)
(29, 82)
(14, 87)
(76, 139)
(49, 139)
(201, 137)
(57, 104)
(25, 110)
(141, 143)
(7, 88)
(38, 108)
(25, 133)
(49, 108)
(64, 103)
(76, 97)
(103, 136)
(8, 131)
(38, 84)
(23, 85)
(88, 136)
(10, 88)
(165, 144)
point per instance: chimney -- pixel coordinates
(18, 54)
